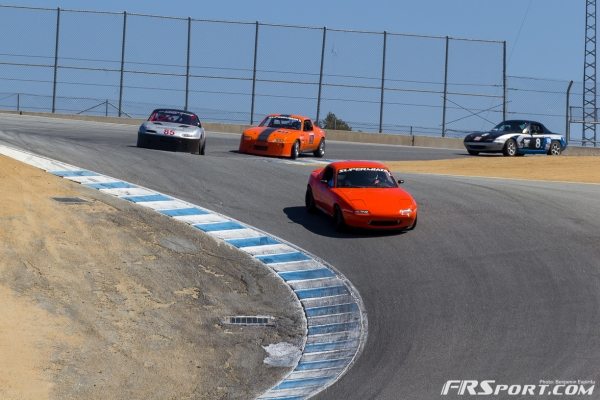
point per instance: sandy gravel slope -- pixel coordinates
(563, 168)
(105, 300)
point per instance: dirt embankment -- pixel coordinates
(105, 300)
(546, 168)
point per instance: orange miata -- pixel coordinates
(362, 194)
(284, 135)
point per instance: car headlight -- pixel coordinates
(278, 140)
(361, 212)
(246, 137)
(407, 212)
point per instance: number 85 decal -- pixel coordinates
(169, 132)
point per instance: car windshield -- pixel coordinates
(281, 122)
(173, 116)
(510, 126)
(365, 178)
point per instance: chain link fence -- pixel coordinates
(122, 64)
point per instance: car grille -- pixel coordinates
(385, 222)
(258, 147)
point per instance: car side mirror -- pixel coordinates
(400, 181)
(324, 181)
(526, 131)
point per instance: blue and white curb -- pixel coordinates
(336, 321)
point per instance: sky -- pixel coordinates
(544, 39)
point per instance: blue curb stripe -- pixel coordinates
(283, 258)
(308, 274)
(321, 292)
(179, 212)
(338, 309)
(111, 185)
(305, 366)
(65, 174)
(255, 241)
(150, 197)
(319, 347)
(298, 383)
(219, 226)
(332, 328)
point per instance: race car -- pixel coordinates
(284, 135)
(516, 138)
(175, 130)
(361, 194)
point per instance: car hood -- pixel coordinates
(377, 200)
(265, 134)
(168, 125)
(485, 136)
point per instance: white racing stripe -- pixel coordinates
(91, 179)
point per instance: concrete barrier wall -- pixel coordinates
(344, 136)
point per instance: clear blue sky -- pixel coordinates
(545, 38)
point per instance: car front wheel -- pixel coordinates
(510, 148)
(473, 152)
(309, 201)
(413, 226)
(295, 150)
(338, 219)
(141, 142)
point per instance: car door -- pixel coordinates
(538, 139)
(322, 194)
(308, 135)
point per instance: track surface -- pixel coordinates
(501, 279)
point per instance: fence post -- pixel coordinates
(187, 66)
(321, 75)
(122, 63)
(445, 88)
(254, 74)
(18, 101)
(106, 108)
(55, 60)
(567, 123)
(504, 88)
(382, 82)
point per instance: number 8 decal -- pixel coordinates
(538, 143)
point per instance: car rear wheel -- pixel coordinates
(202, 148)
(295, 150)
(510, 148)
(309, 201)
(338, 219)
(473, 152)
(554, 149)
(320, 151)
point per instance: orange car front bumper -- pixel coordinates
(265, 148)
(383, 222)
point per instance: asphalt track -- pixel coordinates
(500, 280)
